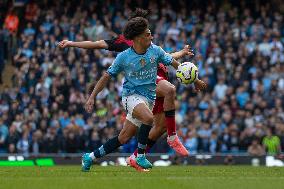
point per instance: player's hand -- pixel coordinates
(188, 51)
(64, 43)
(89, 106)
(200, 85)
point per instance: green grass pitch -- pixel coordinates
(116, 177)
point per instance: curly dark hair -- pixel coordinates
(135, 27)
(139, 13)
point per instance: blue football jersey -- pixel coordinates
(140, 70)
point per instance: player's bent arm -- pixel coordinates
(175, 63)
(177, 55)
(90, 44)
(100, 85)
(98, 88)
(185, 51)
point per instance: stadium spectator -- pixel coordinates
(2, 52)
(23, 144)
(11, 21)
(191, 142)
(3, 136)
(271, 143)
(255, 149)
(32, 11)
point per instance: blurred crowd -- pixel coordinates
(238, 48)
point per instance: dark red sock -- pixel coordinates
(170, 122)
(135, 152)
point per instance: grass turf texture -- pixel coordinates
(116, 177)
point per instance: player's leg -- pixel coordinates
(125, 134)
(128, 131)
(145, 115)
(139, 112)
(168, 91)
(157, 130)
(160, 121)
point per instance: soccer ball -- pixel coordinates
(187, 73)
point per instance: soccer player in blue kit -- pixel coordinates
(139, 64)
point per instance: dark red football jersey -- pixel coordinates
(162, 71)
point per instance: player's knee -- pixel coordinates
(149, 119)
(152, 137)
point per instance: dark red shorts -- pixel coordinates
(159, 102)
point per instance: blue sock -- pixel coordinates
(107, 148)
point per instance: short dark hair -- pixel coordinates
(135, 27)
(139, 13)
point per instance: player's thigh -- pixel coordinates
(164, 87)
(128, 131)
(143, 113)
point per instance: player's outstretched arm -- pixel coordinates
(98, 88)
(186, 51)
(176, 55)
(84, 44)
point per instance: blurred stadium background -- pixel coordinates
(238, 48)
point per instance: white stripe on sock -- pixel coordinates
(92, 155)
(172, 138)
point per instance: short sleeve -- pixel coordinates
(164, 57)
(117, 66)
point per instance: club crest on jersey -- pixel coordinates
(152, 60)
(142, 62)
